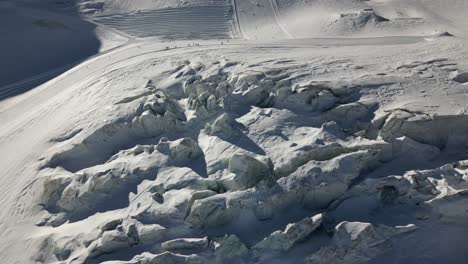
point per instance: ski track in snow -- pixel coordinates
(275, 9)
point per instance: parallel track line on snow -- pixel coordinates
(236, 18)
(275, 9)
(188, 22)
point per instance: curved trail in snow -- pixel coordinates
(236, 19)
(275, 9)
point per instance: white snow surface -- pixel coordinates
(232, 131)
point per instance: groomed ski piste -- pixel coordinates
(196, 22)
(260, 131)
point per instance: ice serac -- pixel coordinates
(317, 184)
(246, 172)
(185, 243)
(355, 242)
(293, 233)
(229, 248)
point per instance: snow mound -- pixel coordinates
(358, 242)
(352, 22)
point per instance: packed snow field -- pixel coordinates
(204, 22)
(339, 136)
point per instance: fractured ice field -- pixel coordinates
(244, 141)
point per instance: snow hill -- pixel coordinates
(259, 131)
(260, 19)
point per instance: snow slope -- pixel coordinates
(338, 18)
(63, 41)
(279, 19)
(275, 148)
(112, 7)
(196, 22)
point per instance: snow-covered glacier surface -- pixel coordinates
(260, 147)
